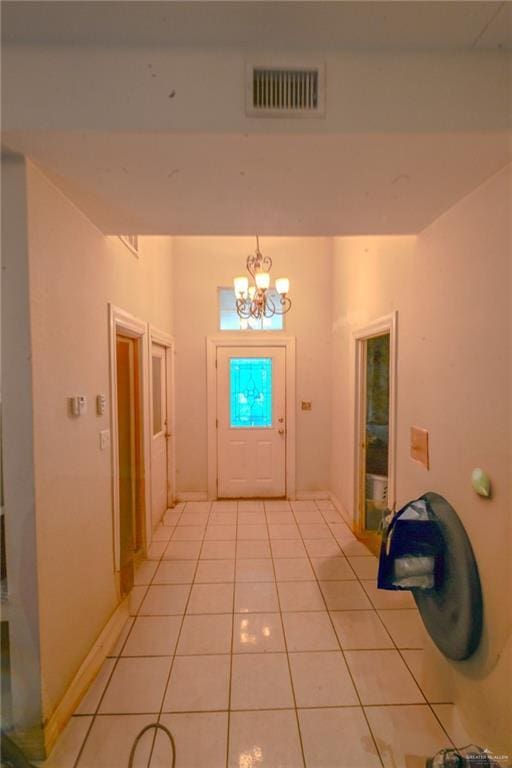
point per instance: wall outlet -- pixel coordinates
(101, 404)
(104, 439)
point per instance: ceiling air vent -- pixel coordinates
(285, 91)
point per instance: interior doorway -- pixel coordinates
(160, 433)
(375, 437)
(129, 453)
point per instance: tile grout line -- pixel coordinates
(285, 642)
(228, 733)
(338, 641)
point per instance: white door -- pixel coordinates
(159, 444)
(251, 426)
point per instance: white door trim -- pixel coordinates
(386, 324)
(125, 323)
(255, 340)
(157, 336)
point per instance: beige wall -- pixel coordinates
(452, 290)
(74, 273)
(202, 264)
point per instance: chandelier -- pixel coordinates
(255, 300)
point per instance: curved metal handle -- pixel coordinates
(281, 431)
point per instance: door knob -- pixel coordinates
(281, 431)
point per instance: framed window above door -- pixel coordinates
(230, 321)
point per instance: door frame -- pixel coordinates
(123, 322)
(253, 341)
(379, 327)
(156, 336)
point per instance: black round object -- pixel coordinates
(453, 612)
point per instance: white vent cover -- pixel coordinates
(275, 91)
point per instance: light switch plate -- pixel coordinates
(419, 446)
(104, 439)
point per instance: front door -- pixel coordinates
(251, 425)
(160, 433)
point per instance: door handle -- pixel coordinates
(281, 431)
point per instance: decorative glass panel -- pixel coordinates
(230, 321)
(157, 395)
(250, 401)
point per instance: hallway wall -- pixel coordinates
(452, 291)
(201, 265)
(74, 272)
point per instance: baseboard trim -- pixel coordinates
(308, 495)
(192, 496)
(341, 509)
(85, 675)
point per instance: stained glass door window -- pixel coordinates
(250, 398)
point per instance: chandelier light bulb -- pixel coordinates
(262, 280)
(252, 292)
(241, 284)
(282, 285)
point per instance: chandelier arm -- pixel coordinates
(270, 307)
(243, 308)
(286, 304)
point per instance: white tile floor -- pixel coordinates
(259, 638)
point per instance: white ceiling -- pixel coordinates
(364, 26)
(430, 127)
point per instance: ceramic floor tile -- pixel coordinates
(252, 532)
(172, 517)
(452, 722)
(283, 531)
(211, 598)
(220, 533)
(342, 532)
(251, 518)
(405, 627)
(344, 595)
(110, 741)
(218, 550)
(277, 506)
(175, 572)
(406, 736)
(324, 504)
(381, 677)
(266, 739)
(256, 597)
(156, 550)
(198, 684)
(252, 549)
(337, 738)
(332, 516)
(211, 571)
(261, 681)
(67, 746)
(194, 518)
(223, 518)
(182, 550)
(433, 674)
(322, 548)
(118, 645)
(137, 686)
(315, 531)
(288, 548)
(257, 633)
(153, 636)
(165, 600)
(258, 569)
(224, 506)
(280, 518)
(354, 549)
(332, 568)
(388, 598)
(309, 632)
(205, 634)
(311, 517)
(303, 504)
(162, 533)
(145, 572)
(197, 506)
(201, 741)
(90, 701)
(293, 569)
(250, 505)
(189, 533)
(135, 599)
(361, 630)
(300, 596)
(364, 567)
(321, 679)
